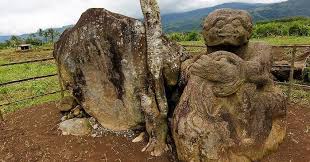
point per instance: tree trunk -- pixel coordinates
(154, 102)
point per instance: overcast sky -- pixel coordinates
(26, 16)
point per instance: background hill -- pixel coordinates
(4, 38)
(189, 21)
(24, 36)
(279, 10)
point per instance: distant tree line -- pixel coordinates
(297, 26)
(186, 36)
(39, 38)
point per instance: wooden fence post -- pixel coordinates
(1, 116)
(292, 73)
(62, 93)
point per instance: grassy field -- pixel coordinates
(284, 40)
(14, 92)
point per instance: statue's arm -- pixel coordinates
(186, 64)
(257, 68)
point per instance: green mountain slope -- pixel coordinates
(24, 36)
(279, 10)
(188, 21)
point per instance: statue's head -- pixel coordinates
(227, 27)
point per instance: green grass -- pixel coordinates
(284, 40)
(15, 92)
(298, 95)
(23, 71)
(29, 103)
(195, 43)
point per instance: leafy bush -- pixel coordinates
(298, 30)
(268, 30)
(295, 26)
(33, 41)
(3, 46)
(298, 26)
(191, 36)
(176, 37)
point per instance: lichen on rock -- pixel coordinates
(103, 61)
(76, 127)
(229, 110)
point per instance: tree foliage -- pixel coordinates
(298, 26)
(189, 36)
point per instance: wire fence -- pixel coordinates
(17, 82)
(197, 49)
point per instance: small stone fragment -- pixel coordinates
(63, 118)
(76, 127)
(66, 104)
(70, 116)
(139, 138)
(77, 111)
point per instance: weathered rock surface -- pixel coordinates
(76, 127)
(66, 104)
(229, 110)
(103, 61)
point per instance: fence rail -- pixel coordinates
(300, 86)
(29, 61)
(29, 79)
(291, 46)
(290, 84)
(32, 97)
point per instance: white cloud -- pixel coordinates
(25, 16)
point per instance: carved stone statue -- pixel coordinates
(229, 110)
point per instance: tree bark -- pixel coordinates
(154, 101)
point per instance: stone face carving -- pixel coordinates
(104, 63)
(227, 27)
(229, 110)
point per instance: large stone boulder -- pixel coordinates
(103, 62)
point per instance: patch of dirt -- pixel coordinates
(296, 146)
(32, 135)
